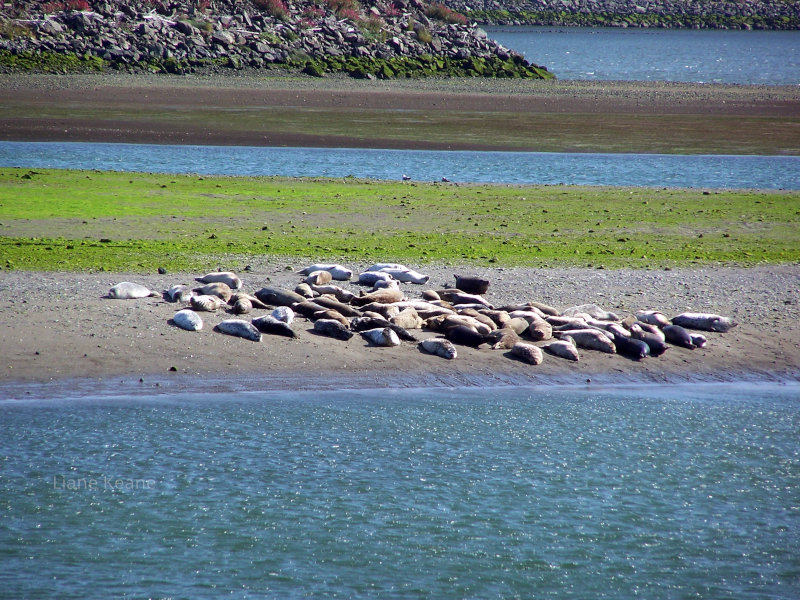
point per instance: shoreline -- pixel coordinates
(66, 338)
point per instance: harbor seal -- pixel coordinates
(439, 347)
(364, 323)
(220, 289)
(127, 290)
(332, 328)
(590, 339)
(592, 310)
(627, 346)
(704, 322)
(656, 344)
(178, 293)
(333, 304)
(187, 319)
(206, 303)
(678, 336)
(384, 296)
(227, 277)
(330, 313)
(563, 348)
(373, 277)
(272, 326)
(341, 294)
(305, 290)
(461, 297)
(527, 353)
(275, 296)
(381, 337)
(652, 317)
(241, 306)
(464, 336)
(318, 278)
(502, 339)
(471, 284)
(239, 328)
(407, 319)
(698, 340)
(338, 272)
(283, 314)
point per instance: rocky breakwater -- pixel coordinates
(371, 39)
(710, 14)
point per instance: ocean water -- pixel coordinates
(696, 56)
(652, 492)
(654, 170)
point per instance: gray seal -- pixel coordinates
(527, 353)
(239, 328)
(272, 326)
(381, 336)
(439, 347)
(332, 328)
(126, 290)
(704, 322)
(187, 319)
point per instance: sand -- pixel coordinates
(57, 332)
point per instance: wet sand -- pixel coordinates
(474, 114)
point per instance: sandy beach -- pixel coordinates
(55, 327)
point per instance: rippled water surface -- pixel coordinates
(667, 492)
(697, 56)
(656, 170)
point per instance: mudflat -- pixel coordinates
(55, 327)
(477, 114)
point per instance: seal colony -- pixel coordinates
(383, 308)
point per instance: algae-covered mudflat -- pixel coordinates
(90, 220)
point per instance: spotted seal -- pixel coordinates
(284, 314)
(318, 278)
(471, 284)
(127, 290)
(590, 339)
(206, 303)
(502, 339)
(592, 310)
(220, 289)
(652, 317)
(276, 296)
(178, 293)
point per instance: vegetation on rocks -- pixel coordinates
(374, 38)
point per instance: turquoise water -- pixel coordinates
(660, 492)
(705, 56)
(654, 170)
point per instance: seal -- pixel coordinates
(460, 297)
(272, 326)
(592, 310)
(364, 323)
(373, 277)
(471, 284)
(704, 322)
(206, 303)
(307, 308)
(332, 328)
(407, 276)
(698, 340)
(472, 312)
(563, 348)
(220, 289)
(278, 296)
(239, 328)
(527, 353)
(126, 290)
(590, 339)
(464, 336)
(318, 278)
(407, 319)
(439, 347)
(384, 296)
(381, 337)
(305, 290)
(656, 344)
(283, 314)
(341, 294)
(538, 329)
(678, 336)
(631, 347)
(241, 306)
(178, 293)
(345, 309)
(330, 313)
(338, 272)
(502, 339)
(187, 319)
(227, 277)
(652, 317)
